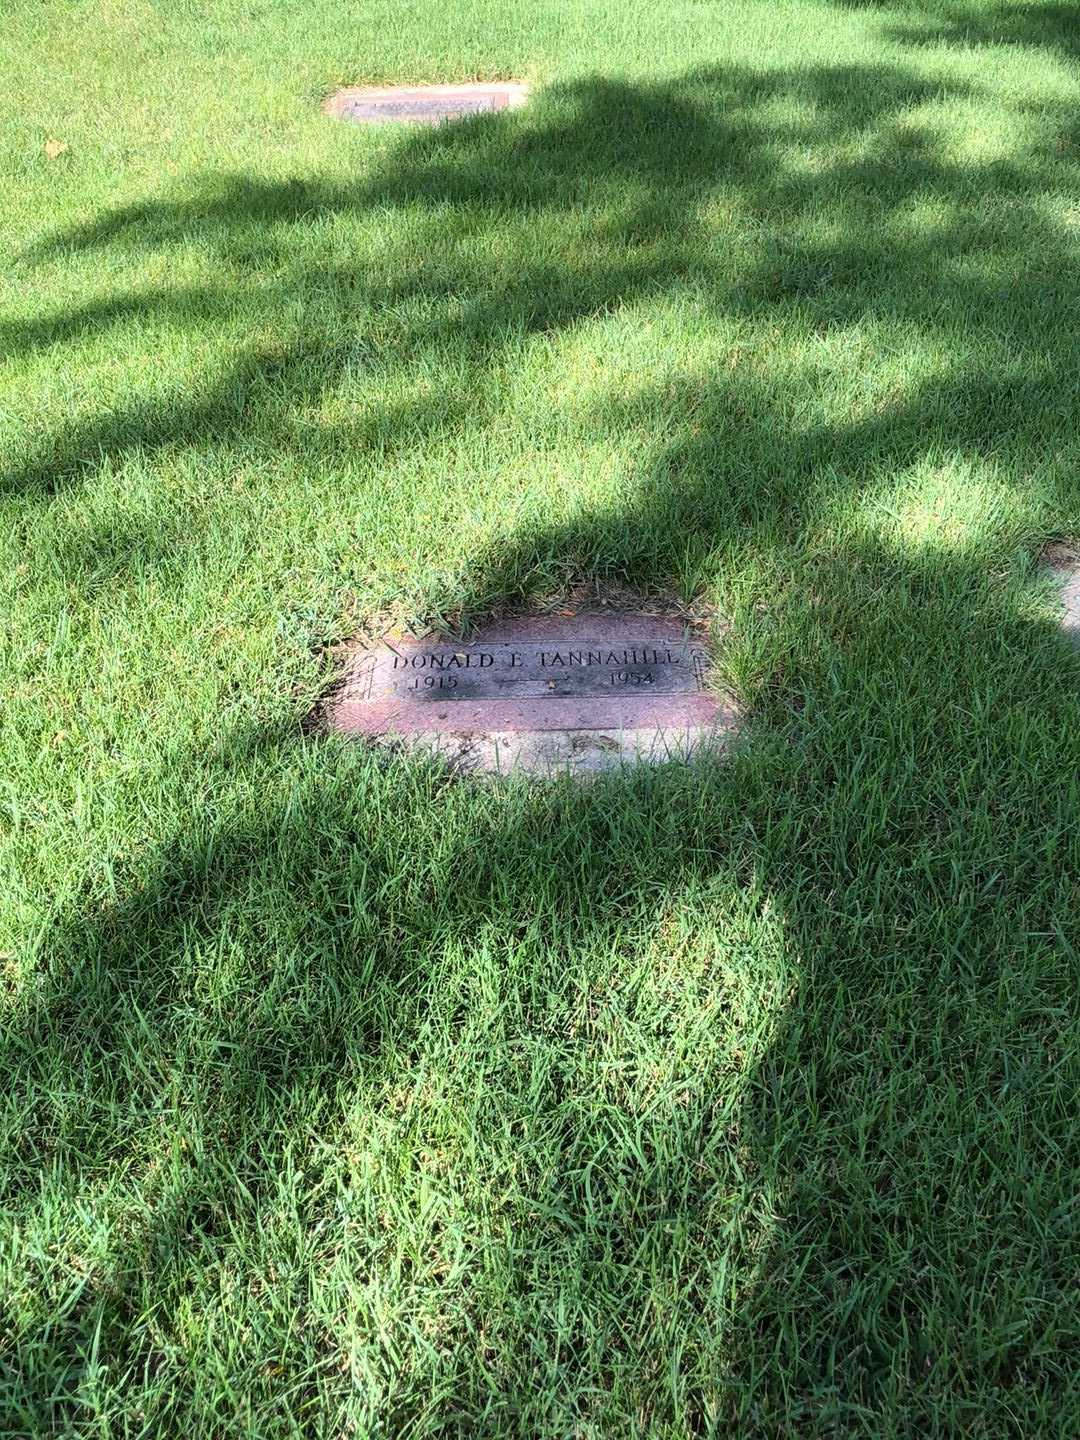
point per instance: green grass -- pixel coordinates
(339, 1097)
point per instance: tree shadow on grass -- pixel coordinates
(1052, 27)
(828, 179)
(519, 1111)
(684, 1101)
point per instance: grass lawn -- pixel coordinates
(342, 1098)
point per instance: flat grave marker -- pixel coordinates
(1070, 598)
(423, 104)
(1062, 562)
(540, 693)
(1070, 594)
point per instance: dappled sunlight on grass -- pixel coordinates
(343, 1093)
(951, 508)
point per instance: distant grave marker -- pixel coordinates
(1071, 595)
(540, 693)
(1063, 562)
(423, 104)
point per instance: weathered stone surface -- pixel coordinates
(1070, 594)
(423, 104)
(540, 693)
(1063, 563)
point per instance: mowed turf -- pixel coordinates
(339, 1097)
